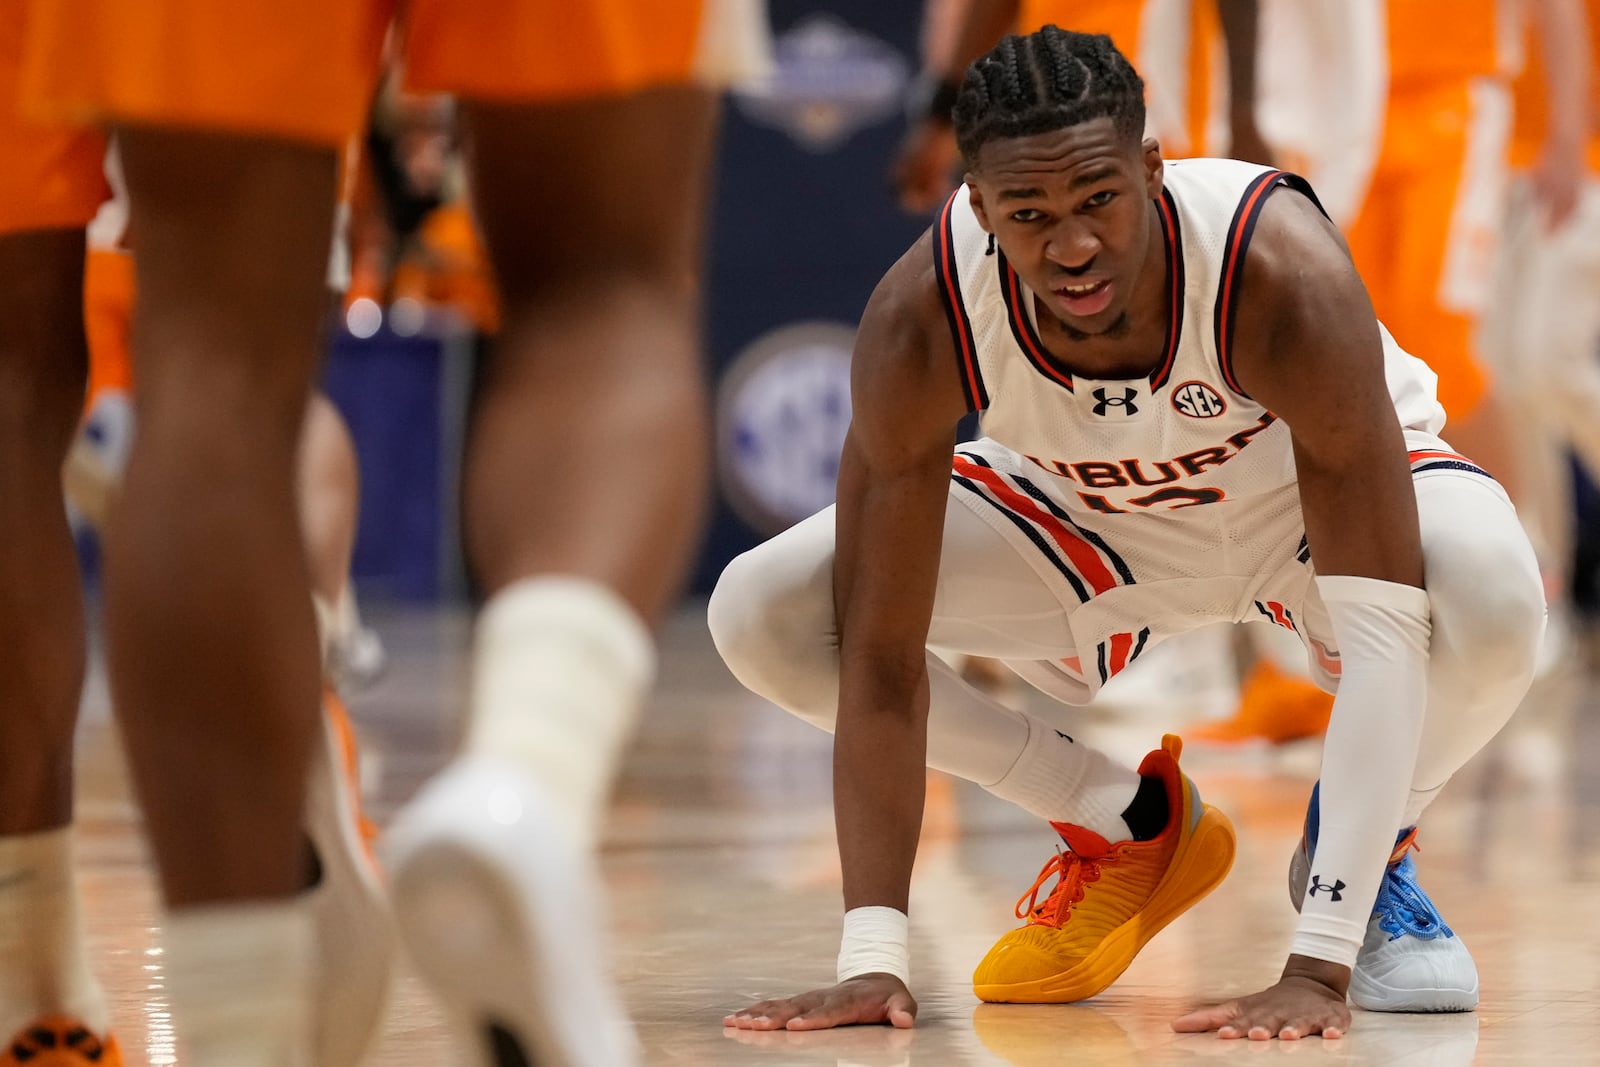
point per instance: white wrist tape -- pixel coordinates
(1383, 631)
(876, 940)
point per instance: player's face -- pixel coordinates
(1071, 211)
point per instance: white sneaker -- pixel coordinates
(355, 929)
(1410, 960)
(499, 908)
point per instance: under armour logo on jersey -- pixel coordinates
(1317, 887)
(1123, 403)
(1198, 401)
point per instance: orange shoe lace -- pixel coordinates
(1404, 845)
(1075, 874)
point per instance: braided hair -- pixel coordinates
(1046, 81)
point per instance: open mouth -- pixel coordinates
(1085, 298)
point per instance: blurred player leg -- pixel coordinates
(212, 643)
(44, 973)
(50, 185)
(329, 483)
(354, 935)
(584, 485)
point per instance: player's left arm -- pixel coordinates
(1307, 346)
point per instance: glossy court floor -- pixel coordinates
(724, 885)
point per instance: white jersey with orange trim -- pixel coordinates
(1153, 505)
(1187, 434)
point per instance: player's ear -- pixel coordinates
(975, 198)
(1154, 168)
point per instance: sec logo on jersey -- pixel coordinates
(1198, 401)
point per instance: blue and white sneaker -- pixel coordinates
(1410, 960)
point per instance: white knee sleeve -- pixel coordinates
(1488, 612)
(771, 618)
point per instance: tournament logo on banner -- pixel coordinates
(782, 411)
(828, 81)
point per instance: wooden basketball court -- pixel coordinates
(724, 885)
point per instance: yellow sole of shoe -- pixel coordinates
(1199, 869)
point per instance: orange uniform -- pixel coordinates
(452, 270)
(305, 69)
(1425, 237)
(1181, 107)
(108, 320)
(50, 175)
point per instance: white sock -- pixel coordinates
(560, 669)
(1063, 781)
(44, 963)
(239, 978)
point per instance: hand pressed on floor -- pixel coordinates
(1295, 1007)
(864, 1000)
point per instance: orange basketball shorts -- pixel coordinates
(306, 69)
(51, 175)
(1425, 238)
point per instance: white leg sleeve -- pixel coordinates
(1488, 619)
(771, 617)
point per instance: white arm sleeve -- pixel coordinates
(1383, 629)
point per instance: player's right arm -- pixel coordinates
(894, 479)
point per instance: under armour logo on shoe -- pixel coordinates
(1317, 887)
(1125, 401)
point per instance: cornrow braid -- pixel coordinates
(1046, 81)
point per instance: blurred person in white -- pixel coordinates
(590, 129)
(1543, 331)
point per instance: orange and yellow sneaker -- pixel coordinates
(60, 1041)
(1110, 898)
(1275, 707)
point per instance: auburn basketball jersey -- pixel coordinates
(1187, 435)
